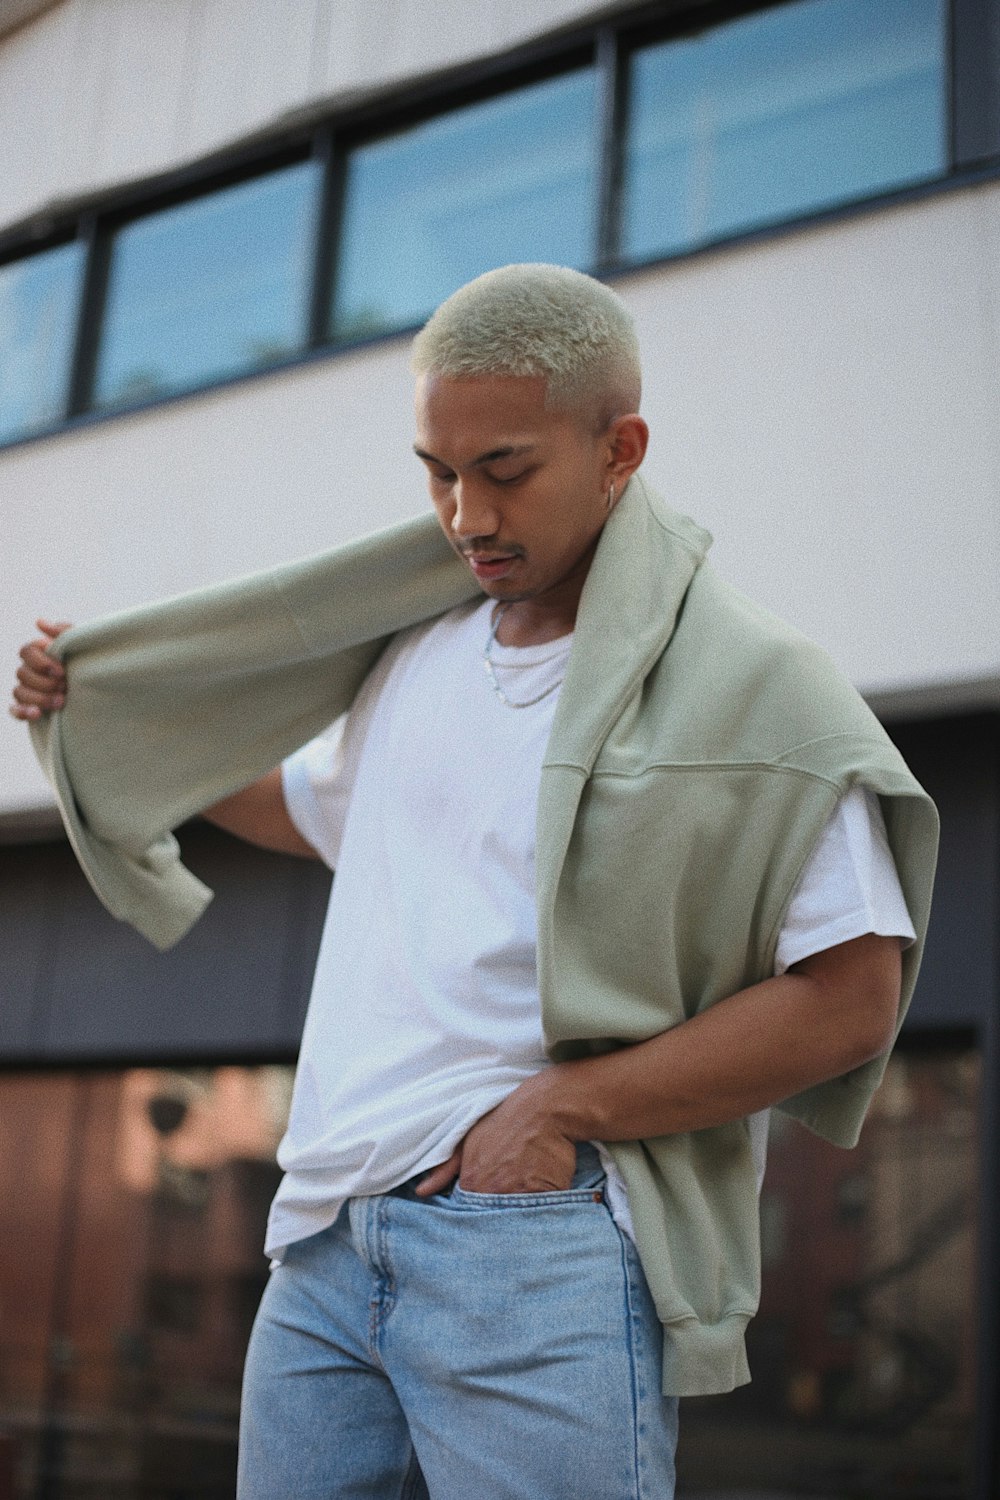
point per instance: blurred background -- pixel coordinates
(220, 220)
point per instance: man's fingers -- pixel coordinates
(44, 698)
(36, 659)
(36, 675)
(29, 704)
(41, 680)
(438, 1178)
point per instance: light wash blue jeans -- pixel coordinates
(468, 1347)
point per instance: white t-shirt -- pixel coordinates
(424, 1011)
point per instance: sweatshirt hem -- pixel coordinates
(705, 1359)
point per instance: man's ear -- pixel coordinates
(628, 439)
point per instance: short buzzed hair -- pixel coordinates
(539, 320)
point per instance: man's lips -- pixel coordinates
(491, 564)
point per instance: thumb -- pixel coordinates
(439, 1177)
(52, 628)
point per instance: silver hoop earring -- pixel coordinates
(611, 496)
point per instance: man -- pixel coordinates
(612, 879)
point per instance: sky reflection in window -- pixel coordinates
(781, 113)
(209, 288)
(425, 210)
(39, 301)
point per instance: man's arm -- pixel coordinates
(827, 1014)
(256, 813)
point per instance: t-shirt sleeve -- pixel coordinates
(848, 887)
(318, 778)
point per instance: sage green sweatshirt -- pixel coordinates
(698, 748)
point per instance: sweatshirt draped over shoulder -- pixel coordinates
(698, 748)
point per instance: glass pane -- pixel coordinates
(864, 1350)
(425, 210)
(208, 289)
(134, 1205)
(781, 113)
(39, 305)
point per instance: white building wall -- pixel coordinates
(123, 89)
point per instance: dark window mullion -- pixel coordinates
(92, 301)
(327, 152)
(611, 106)
(334, 210)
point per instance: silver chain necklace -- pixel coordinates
(491, 667)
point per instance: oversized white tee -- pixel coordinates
(424, 1011)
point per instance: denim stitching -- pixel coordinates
(465, 1198)
(384, 1294)
(633, 1336)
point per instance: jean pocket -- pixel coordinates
(591, 1192)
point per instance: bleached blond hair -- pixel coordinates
(540, 320)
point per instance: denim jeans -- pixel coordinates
(470, 1346)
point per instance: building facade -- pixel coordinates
(219, 225)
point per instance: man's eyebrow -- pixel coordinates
(513, 450)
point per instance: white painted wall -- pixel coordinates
(122, 89)
(825, 402)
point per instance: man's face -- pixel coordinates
(520, 491)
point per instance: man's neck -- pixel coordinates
(546, 616)
(522, 625)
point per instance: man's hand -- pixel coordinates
(516, 1148)
(41, 680)
(257, 813)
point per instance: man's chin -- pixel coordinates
(503, 591)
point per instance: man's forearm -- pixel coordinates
(750, 1051)
(827, 1015)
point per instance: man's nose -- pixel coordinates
(474, 514)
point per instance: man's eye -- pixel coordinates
(509, 478)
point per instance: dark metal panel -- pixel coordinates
(958, 761)
(29, 920)
(975, 80)
(83, 987)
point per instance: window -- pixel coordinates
(778, 114)
(209, 288)
(790, 109)
(39, 302)
(507, 179)
(135, 1201)
(863, 1353)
